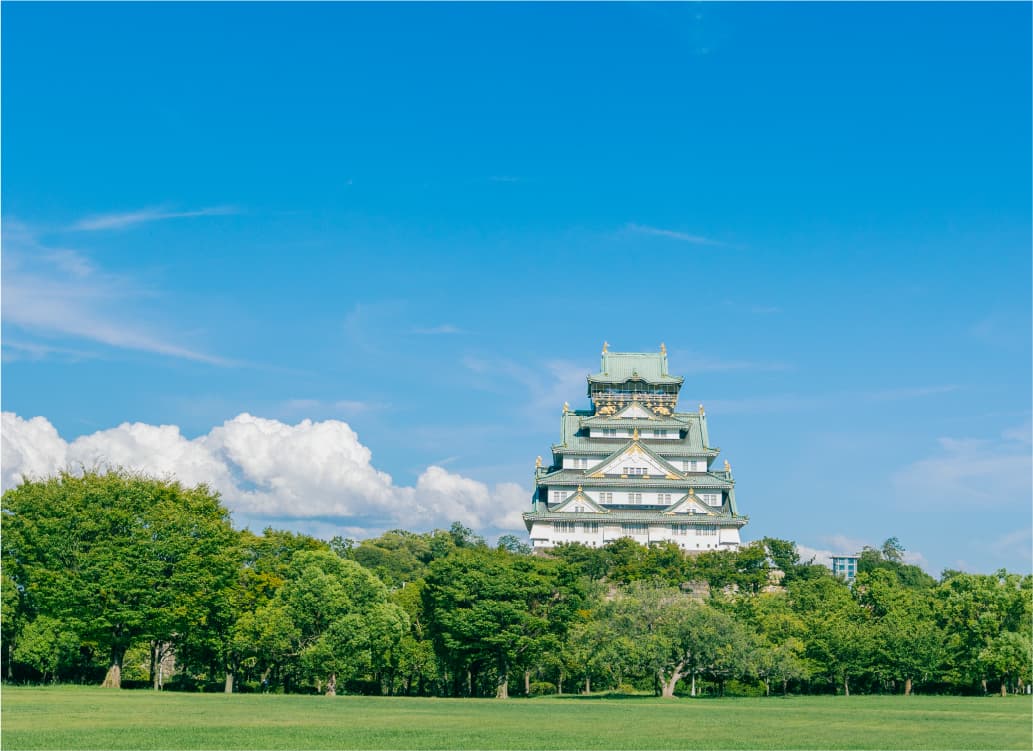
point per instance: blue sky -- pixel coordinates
(424, 220)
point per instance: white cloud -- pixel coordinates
(143, 216)
(308, 475)
(30, 448)
(57, 292)
(970, 473)
(674, 235)
(445, 328)
(840, 544)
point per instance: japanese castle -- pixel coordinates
(633, 466)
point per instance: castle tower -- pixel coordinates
(633, 466)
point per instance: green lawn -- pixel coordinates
(72, 717)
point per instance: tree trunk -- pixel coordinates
(846, 685)
(154, 665)
(785, 688)
(113, 679)
(559, 684)
(502, 690)
(907, 687)
(667, 687)
(693, 692)
(983, 684)
(588, 685)
(1004, 687)
(331, 685)
(527, 683)
(228, 688)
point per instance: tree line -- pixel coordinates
(126, 580)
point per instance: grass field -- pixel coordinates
(73, 717)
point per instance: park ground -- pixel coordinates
(87, 718)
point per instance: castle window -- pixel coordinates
(634, 498)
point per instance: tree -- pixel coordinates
(907, 641)
(515, 545)
(974, 611)
(336, 616)
(118, 557)
(45, 644)
(838, 634)
(671, 635)
(487, 611)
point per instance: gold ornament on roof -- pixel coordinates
(579, 488)
(663, 348)
(692, 492)
(634, 436)
(606, 347)
(538, 462)
(701, 408)
(566, 408)
(728, 467)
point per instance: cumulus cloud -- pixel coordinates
(270, 472)
(29, 447)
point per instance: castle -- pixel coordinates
(633, 466)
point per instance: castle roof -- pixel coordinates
(619, 367)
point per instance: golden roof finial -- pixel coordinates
(566, 408)
(634, 436)
(606, 347)
(701, 408)
(538, 462)
(728, 467)
(663, 348)
(692, 491)
(579, 487)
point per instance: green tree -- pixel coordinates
(340, 619)
(118, 557)
(44, 644)
(907, 642)
(839, 638)
(487, 611)
(673, 636)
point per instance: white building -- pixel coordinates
(633, 466)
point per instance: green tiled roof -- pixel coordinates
(636, 516)
(691, 445)
(575, 477)
(649, 367)
(601, 421)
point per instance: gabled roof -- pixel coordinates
(618, 421)
(578, 497)
(636, 448)
(649, 367)
(635, 411)
(690, 504)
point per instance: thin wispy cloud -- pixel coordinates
(62, 293)
(684, 237)
(445, 328)
(800, 402)
(143, 216)
(694, 363)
